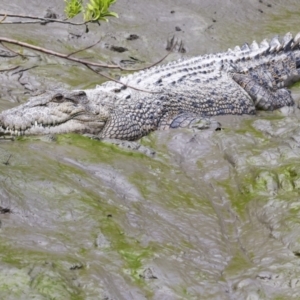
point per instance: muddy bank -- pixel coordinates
(214, 215)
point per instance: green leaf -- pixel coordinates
(95, 10)
(73, 8)
(112, 14)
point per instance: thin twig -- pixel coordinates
(150, 66)
(9, 69)
(170, 50)
(48, 20)
(17, 53)
(7, 163)
(61, 55)
(119, 82)
(77, 60)
(21, 22)
(6, 55)
(80, 50)
(3, 18)
(24, 70)
(84, 62)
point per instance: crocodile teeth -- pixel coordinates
(11, 131)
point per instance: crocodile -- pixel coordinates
(178, 94)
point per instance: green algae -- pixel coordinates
(106, 214)
(14, 282)
(72, 80)
(239, 199)
(278, 24)
(249, 129)
(151, 141)
(29, 273)
(132, 254)
(175, 195)
(97, 150)
(238, 263)
(285, 177)
(53, 286)
(275, 181)
(129, 250)
(296, 85)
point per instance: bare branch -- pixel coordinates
(3, 18)
(119, 82)
(86, 63)
(9, 69)
(78, 60)
(41, 20)
(80, 50)
(156, 63)
(21, 22)
(170, 49)
(23, 70)
(17, 53)
(57, 54)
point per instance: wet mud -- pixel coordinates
(213, 214)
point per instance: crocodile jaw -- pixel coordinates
(73, 125)
(13, 127)
(41, 115)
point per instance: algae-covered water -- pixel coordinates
(213, 215)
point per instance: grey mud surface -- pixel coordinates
(214, 215)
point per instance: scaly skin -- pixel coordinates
(175, 95)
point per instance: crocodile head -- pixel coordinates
(52, 113)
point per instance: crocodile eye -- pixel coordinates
(58, 98)
(82, 93)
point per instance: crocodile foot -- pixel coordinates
(127, 145)
(188, 120)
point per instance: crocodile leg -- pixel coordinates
(187, 120)
(130, 146)
(264, 92)
(190, 120)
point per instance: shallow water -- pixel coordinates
(214, 215)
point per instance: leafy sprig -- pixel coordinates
(95, 10)
(73, 8)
